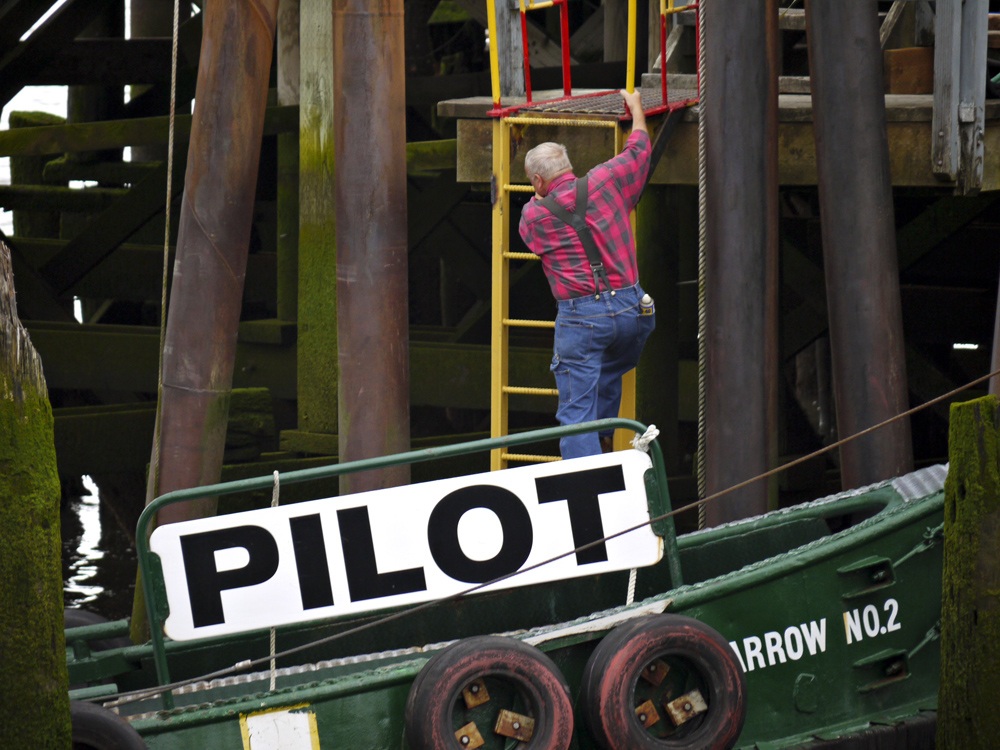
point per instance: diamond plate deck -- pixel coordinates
(609, 104)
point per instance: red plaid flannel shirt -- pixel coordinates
(614, 188)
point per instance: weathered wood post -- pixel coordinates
(970, 604)
(34, 698)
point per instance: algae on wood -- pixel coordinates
(34, 699)
(970, 604)
(28, 170)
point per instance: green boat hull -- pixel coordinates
(836, 631)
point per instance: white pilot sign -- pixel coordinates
(403, 545)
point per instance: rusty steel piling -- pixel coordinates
(372, 297)
(859, 238)
(737, 402)
(212, 242)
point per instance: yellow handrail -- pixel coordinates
(526, 120)
(630, 83)
(670, 9)
(491, 20)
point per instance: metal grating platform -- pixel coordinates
(611, 103)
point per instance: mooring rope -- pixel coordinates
(700, 469)
(273, 638)
(166, 253)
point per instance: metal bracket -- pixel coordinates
(932, 537)
(889, 666)
(868, 575)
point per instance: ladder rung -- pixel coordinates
(528, 458)
(520, 256)
(516, 188)
(518, 323)
(526, 391)
(523, 120)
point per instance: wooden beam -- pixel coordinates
(114, 438)
(431, 156)
(615, 29)
(938, 222)
(53, 198)
(16, 17)
(35, 298)
(108, 62)
(807, 321)
(111, 228)
(58, 30)
(923, 24)
(544, 52)
(155, 99)
(428, 207)
(135, 272)
(124, 358)
(587, 42)
(143, 131)
(466, 262)
(893, 19)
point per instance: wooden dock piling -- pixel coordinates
(970, 604)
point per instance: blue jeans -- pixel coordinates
(596, 342)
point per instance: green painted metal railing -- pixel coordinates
(657, 497)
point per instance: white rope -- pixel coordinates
(274, 672)
(166, 250)
(641, 442)
(700, 470)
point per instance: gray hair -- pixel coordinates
(547, 160)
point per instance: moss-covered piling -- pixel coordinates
(34, 702)
(970, 605)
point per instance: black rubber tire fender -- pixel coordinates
(98, 728)
(430, 706)
(609, 682)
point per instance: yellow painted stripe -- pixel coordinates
(491, 22)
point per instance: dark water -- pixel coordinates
(99, 563)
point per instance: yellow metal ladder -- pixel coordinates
(500, 387)
(502, 187)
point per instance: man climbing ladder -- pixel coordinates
(580, 229)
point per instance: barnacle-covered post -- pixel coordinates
(34, 698)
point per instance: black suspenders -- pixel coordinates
(577, 221)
